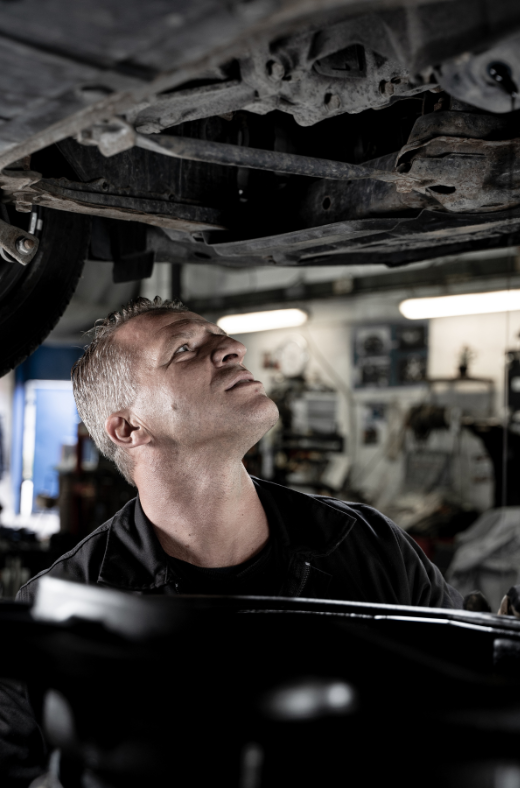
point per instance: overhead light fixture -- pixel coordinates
(262, 321)
(456, 305)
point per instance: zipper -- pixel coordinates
(305, 577)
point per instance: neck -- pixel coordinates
(203, 511)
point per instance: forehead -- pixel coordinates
(153, 330)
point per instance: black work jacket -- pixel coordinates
(331, 550)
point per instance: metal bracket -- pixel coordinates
(18, 244)
(16, 185)
(111, 137)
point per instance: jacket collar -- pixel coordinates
(134, 560)
(306, 526)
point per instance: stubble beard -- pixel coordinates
(261, 423)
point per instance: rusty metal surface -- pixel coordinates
(463, 162)
(111, 137)
(15, 185)
(144, 67)
(42, 126)
(464, 124)
(367, 60)
(326, 202)
(19, 244)
(191, 104)
(147, 175)
(128, 51)
(347, 67)
(158, 213)
(67, 66)
(465, 175)
(271, 161)
(335, 242)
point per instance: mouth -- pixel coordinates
(241, 380)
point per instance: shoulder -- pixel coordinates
(374, 527)
(378, 550)
(355, 541)
(375, 538)
(82, 563)
(319, 524)
(367, 520)
(361, 510)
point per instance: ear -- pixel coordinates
(125, 431)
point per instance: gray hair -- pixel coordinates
(102, 381)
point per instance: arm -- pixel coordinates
(427, 585)
(23, 753)
(384, 564)
(22, 748)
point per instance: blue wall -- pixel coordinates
(49, 363)
(56, 417)
(56, 424)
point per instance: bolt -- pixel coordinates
(332, 102)
(25, 245)
(275, 70)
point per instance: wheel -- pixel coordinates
(33, 297)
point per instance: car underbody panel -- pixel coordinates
(268, 133)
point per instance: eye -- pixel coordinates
(182, 349)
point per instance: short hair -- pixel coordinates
(102, 381)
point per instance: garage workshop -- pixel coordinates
(260, 393)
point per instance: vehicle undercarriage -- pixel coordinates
(251, 134)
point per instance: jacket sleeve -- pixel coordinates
(427, 586)
(22, 748)
(23, 753)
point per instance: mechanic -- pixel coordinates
(165, 395)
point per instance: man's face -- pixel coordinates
(193, 388)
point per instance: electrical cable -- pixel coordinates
(505, 432)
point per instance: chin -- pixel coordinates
(267, 406)
(245, 425)
(266, 415)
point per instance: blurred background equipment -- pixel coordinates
(305, 450)
(390, 355)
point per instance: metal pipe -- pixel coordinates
(271, 161)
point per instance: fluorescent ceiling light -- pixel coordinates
(455, 305)
(262, 321)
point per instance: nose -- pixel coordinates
(228, 351)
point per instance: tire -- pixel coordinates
(34, 297)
